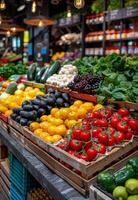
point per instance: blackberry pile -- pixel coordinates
(86, 83)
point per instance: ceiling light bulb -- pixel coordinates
(79, 3)
(8, 33)
(2, 5)
(40, 24)
(33, 7)
(69, 14)
(13, 29)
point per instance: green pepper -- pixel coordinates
(106, 180)
(134, 163)
(123, 175)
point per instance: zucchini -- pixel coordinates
(54, 68)
(39, 75)
(11, 88)
(31, 72)
(45, 75)
(38, 68)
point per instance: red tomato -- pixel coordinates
(114, 121)
(119, 137)
(106, 113)
(125, 118)
(91, 154)
(111, 141)
(110, 130)
(71, 152)
(96, 131)
(88, 145)
(133, 124)
(122, 126)
(85, 123)
(85, 136)
(128, 135)
(103, 122)
(135, 132)
(97, 114)
(89, 116)
(76, 145)
(76, 134)
(123, 112)
(83, 156)
(103, 138)
(63, 145)
(100, 148)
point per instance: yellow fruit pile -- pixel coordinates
(16, 100)
(56, 125)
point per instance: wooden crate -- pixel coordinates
(96, 193)
(56, 158)
(5, 167)
(88, 169)
(4, 125)
(5, 190)
(15, 125)
(16, 135)
(3, 117)
(3, 152)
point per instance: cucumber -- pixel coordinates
(40, 74)
(31, 72)
(11, 88)
(45, 75)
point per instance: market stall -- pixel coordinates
(68, 119)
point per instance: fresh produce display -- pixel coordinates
(64, 77)
(85, 83)
(122, 184)
(32, 110)
(11, 69)
(40, 75)
(55, 126)
(15, 97)
(99, 131)
(120, 76)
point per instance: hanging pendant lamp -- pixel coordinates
(39, 20)
(13, 28)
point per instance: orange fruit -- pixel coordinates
(57, 122)
(57, 114)
(45, 125)
(48, 139)
(34, 125)
(43, 135)
(52, 130)
(56, 138)
(53, 111)
(38, 132)
(8, 113)
(43, 118)
(61, 130)
(73, 108)
(73, 115)
(78, 103)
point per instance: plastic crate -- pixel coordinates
(15, 194)
(20, 177)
